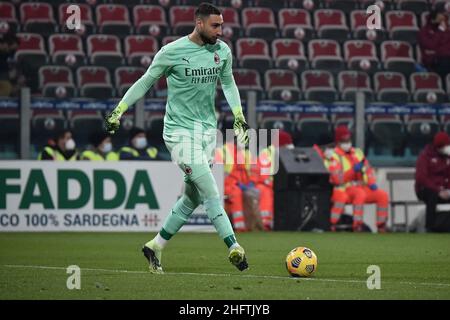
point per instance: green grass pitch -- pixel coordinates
(413, 266)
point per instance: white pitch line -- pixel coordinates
(224, 275)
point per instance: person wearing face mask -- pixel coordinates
(138, 148)
(63, 150)
(433, 176)
(102, 148)
(357, 178)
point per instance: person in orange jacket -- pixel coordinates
(357, 183)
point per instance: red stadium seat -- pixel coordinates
(125, 77)
(160, 88)
(402, 25)
(31, 49)
(330, 24)
(259, 22)
(357, 50)
(37, 17)
(276, 81)
(391, 87)
(326, 55)
(146, 16)
(182, 19)
(283, 50)
(318, 85)
(85, 14)
(104, 50)
(94, 82)
(398, 56)
(292, 19)
(169, 39)
(421, 83)
(358, 24)
(247, 80)
(416, 6)
(351, 82)
(113, 19)
(253, 53)
(52, 77)
(231, 20)
(8, 14)
(138, 46)
(62, 45)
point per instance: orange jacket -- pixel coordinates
(348, 160)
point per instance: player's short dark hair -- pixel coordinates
(206, 9)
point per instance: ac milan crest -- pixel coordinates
(216, 58)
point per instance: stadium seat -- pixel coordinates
(424, 18)
(44, 124)
(345, 5)
(182, 19)
(83, 123)
(275, 120)
(94, 82)
(231, 20)
(9, 133)
(318, 85)
(357, 50)
(416, 6)
(391, 87)
(137, 47)
(247, 80)
(87, 19)
(147, 16)
(343, 118)
(104, 50)
(125, 77)
(253, 53)
(259, 23)
(358, 23)
(398, 56)
(54, 77)
(31, 50)
(37, 17)
(154, 124)
(402, 25)
(160, 88)
(276, 81)
(284, 50)
(8, 14)
(113, 19)
(292, 19)
(351, 82)
(326, 55)
(61, 45)
(386, 134)
(311, 128)
(421, 128)
(330, 24)
(421, 83)
(169, 39)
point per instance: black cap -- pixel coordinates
(135, 131)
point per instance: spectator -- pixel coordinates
(433, 176)
(138, 148)
(62, 150)
(8, 46)
(102, 148)
(434, 41)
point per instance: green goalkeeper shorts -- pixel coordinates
(194, 155)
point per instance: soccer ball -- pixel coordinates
(301, 262)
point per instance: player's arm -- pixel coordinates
(159, 66)
(231, 93)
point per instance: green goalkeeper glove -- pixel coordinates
(240, 127)
(112, 120)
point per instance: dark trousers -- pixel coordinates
(431, 199)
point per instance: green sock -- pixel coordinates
(220, 220)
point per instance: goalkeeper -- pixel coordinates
(192, 66)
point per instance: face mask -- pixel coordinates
(70, 144)
(140, 143)
(328, 153)
(107, 147)
(446, 150)
(346, 146)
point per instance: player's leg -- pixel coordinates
(178, 216)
